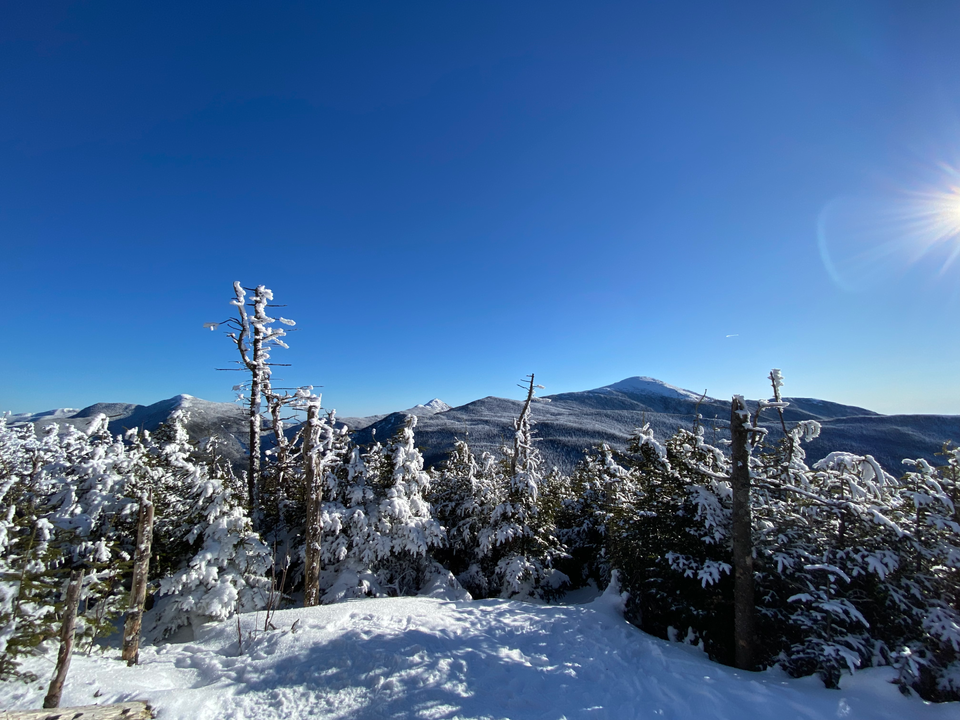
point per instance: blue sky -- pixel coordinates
(448, 196)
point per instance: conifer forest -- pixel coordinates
(738, 545)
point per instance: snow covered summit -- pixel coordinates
(431, 408)
(643, 385)
(50, 415)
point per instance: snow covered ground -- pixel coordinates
(428, 658)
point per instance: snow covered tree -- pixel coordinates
(324, 451)
(833, 555)
(64, 504)
(254, 337)
(458, 506)
(220, 566)
(588, 505)
(922, 591)
(521, 538)
(27, 616)
(465, 492)
(381, 526)
(669, 537)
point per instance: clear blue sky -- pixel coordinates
(451, 195)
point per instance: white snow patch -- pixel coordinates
(57, 414)
(431, 408)
(642, 385)
(429, 658)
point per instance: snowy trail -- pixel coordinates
(426, 658)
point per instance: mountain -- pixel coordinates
(206, 419)
(59, 413)
(431, 408)
(566, 424)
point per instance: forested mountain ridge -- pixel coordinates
(566, 424)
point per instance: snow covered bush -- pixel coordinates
(213, 563)
(462, 497)
(379, 529)
(63, 504)
(669, 537)
(588, 501)
(518, 546)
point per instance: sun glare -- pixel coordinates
(867, 241)
(936, 214)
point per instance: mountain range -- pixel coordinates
(566, 424)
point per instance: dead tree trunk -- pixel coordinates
(744, 611)
(314, 529)
(521, 438)
(67, 631)
(138, 591)
(256, 423)
(253, 338)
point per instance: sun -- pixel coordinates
(935, 216)
(871, 240)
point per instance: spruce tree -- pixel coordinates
(521, 538)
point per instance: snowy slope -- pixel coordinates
(431, 408)
(427, 658)
(643, 385)
(55, 415)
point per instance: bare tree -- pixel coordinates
(67, 632)
(523, 451)
(744, 610)
(254, 337)
(314, 528)
(138, 590)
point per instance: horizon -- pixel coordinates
(518, 399)
(447, 197)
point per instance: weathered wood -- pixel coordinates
(67, 631)
(744, 610)
(313, 531)
(138, 591)
(118, 711)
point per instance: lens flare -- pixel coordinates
(869, 241)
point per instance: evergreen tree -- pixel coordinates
(669, 537)
(588, 505)
(383, 528)
(521, 539)
(220, 565)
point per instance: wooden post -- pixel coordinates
(744, 610)
(313, 531)
(138, 591)
(67, 631)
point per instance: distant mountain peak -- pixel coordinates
(431, 408)
(643, 385)
(57, 414)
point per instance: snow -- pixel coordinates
(427, 658)
(431, 408)
(643, 385)
(57, 414)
